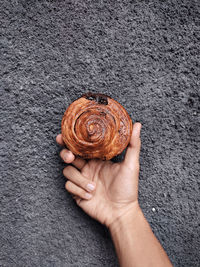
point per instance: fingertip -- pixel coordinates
(136, 129)
(139, 124)
(59, 140)
(135, 137)
(70, 156)
(67, 156)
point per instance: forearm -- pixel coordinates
(135, 243)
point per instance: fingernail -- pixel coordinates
(90, 187)
(88, 196)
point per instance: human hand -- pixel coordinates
(103, 189)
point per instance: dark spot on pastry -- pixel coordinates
(90, 98)
(99, 98)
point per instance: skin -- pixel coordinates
(108, 192)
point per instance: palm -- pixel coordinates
(115, 187)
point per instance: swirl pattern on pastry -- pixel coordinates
(96, 126)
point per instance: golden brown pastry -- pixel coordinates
(96, 126)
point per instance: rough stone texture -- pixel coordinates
(145, 54)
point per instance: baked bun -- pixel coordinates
(96, 126)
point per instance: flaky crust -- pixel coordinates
(96, 126)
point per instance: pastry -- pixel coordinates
(96, 126)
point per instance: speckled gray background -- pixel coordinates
(146, 55)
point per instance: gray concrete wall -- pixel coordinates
(145, 54)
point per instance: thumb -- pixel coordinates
(133, 150)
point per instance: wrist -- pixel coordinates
(125, 217)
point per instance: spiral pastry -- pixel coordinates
(96, 126)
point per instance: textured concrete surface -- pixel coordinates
(145, 54)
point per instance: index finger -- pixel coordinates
(78, 162)
(59, 140)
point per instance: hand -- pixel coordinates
(103, 189)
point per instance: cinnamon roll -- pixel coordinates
(96, 126)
